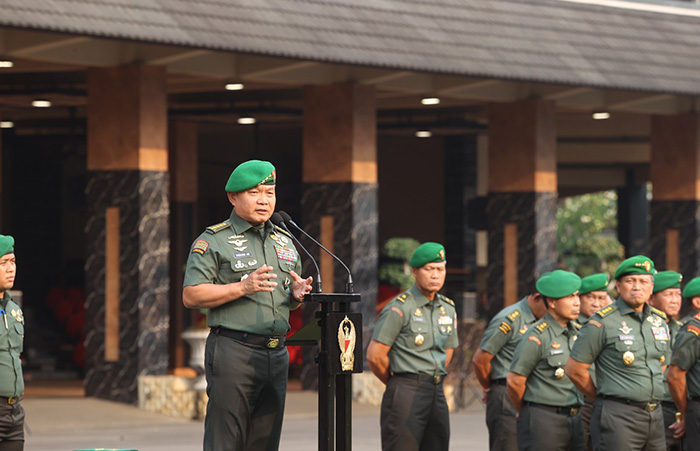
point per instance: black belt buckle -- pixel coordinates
(272, 342)
(437, 379)
(12, 400)
(650, 406)
(574, 411)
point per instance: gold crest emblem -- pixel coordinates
(418, 312)
(419, 339)
(628, 358)
(559, 373)
(346, 342)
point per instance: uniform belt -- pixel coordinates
(421, 378)
(264, 341)
(649, 406)
(503, 382)
(570, 411)
(12, 400)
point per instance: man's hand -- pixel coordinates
(259, 280)
(300, 287)
(678, 429)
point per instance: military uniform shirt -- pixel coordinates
(628, 349)
(228, 252)
(418, 331)
(502, 336)
(674, 327)
(686, 351)
(541, 356)
(11, 346)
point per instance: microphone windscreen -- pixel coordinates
(285, 216)
(276, 219)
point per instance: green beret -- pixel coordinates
(427, 253)
(595, 282)
(7, 245)
(250, 174)
(667, 279)
(692, 288)
(558, 284)
(639, 264)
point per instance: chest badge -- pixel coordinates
(237, 242)
(239, 265)
(419, 339)
(628, 358)
(252, 263)
(17, 315)
(624, 329)
(559, 373)
(556, 345)
(418, 312)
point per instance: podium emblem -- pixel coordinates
(346, 342)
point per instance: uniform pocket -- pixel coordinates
(17, 338)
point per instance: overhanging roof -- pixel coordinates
(551, 41)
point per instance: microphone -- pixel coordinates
(349, 286)
(277, 220)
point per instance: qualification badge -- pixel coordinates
(346, 341)
(628, 358)
(419, 339)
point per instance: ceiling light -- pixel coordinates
(424, 134)
(430, 101)
(6, 64)
(41, 103)
(600, 115)
(234, 86)
(6, 124)
(246, 120)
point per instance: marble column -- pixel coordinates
(339, 200)
(522, 199)
(126, 271)
(675, 208)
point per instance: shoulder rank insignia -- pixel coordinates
(448, 300)
(694, 330)
(505, 328)
(697, 316)
(218, 227)
(606, 311)
(402, 297)
(659, 312)
(535, 339)
(541, 327)
(514, 315)
(281, 230)
(594, 323)
(576, 324)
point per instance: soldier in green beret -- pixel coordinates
(594, 296)
(546, 399)
(411, 347)
(11, 346)
(667, 298)
(629, 343)
(692, 293)
(245, 271)
(492, 361)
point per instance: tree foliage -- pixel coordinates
(587, 233)
(394, 269)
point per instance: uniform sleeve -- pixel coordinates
(527, 355)
(202, 262)
(685, 350)
(497, 334)
(589, 343)
(453, 341)
(389, 324)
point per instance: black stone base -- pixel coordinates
(683, 215)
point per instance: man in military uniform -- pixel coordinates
(594, 296)
(492, 361)
(411, 347)
(692, 293)
(11, 345)
(684, 374)
(667, 298)
(245, 271)
(548, 403)
(629, 343)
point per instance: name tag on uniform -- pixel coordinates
(242, 254)
(626, 337)
(556, 351)
(660, 333)
(417, 319)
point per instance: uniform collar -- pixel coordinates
(582, 319)
(526, 311)
(420, 298)
(5, 299)
(625, 309)
(241, 225)
(554, 324)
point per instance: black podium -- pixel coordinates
(340, 355)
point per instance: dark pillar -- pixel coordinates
(522, 199)
(675, 208)
(632, 215)
(127, 232)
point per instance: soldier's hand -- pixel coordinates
(678, 429)
(260, 280)
(300, 287)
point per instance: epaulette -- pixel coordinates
(541, 327)
(448, 300)
(513, 315)
(402, 297)
(576, 324)
(697, 316)
(606, 311)
(218, 227)
(280, 229)
(659, 312)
